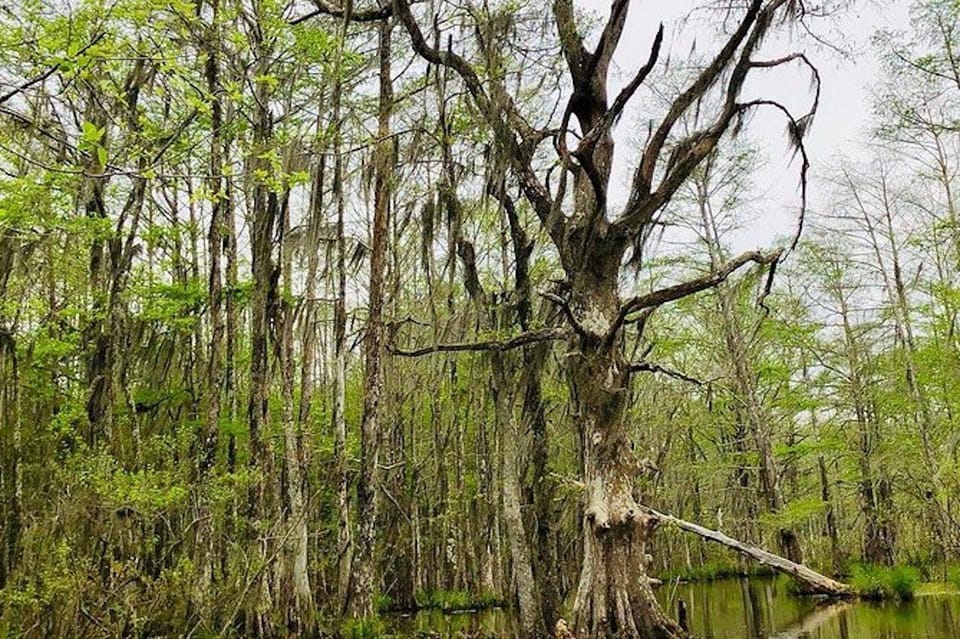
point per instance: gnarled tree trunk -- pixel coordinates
(614, 597)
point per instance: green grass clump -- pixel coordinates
(362, 628)
(451, 600)
(953, 575)
(382, 602)
(884, 582)
(713, 570)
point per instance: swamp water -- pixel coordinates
(754, 608)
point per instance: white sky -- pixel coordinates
(842, 120)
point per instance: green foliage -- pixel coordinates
(885, 582)
(145, 492)
(795, 512)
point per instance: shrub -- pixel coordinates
(382, 602)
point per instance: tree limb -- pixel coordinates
(530, 337)
(326, 9)
(690, 287)
(649, 367)
(50, 71)
(643, 179)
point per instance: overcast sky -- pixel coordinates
(842, 120)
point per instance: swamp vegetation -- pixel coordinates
(316, 314)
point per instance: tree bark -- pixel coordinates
(264, 297)
(209, 433)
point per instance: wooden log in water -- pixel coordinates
(813, 580)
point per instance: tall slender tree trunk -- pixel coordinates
(903, 323)
(11, 416)
(100, 361)
(528, 592)
(363, 579)
(297, 595)
(503, 394)
(344, 536)
(209, 433)
(879, 542)
(262, 237)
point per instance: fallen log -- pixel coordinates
(814, 582)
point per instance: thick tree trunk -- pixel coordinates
(614, 598)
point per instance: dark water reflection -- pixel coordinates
(756, 608)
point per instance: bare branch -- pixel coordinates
(649, 367)
(796, 130)
(627, 92)
(530, 337)
(643, 180)
(585, 148)
(690, 287)
(565, 308)
(326, 9)
(570, 41)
